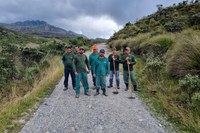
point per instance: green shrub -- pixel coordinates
(163, 41)
(174, 26)
(196, 100)
(45, 63)
(185, 57)
(195, 19)
(32, 54)
(190, 84)
(31, 73)
(153, 67)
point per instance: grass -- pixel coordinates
(21, 107)
(163, 97)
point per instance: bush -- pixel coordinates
(153, 67)
(32, 54)
(190, 84)
(174, 26)
(185, 57)
(30, 75)
(196, 100)
(195, 19)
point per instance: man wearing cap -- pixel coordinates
(81, 61)
(126, 60)
(69, 68)
(76, 50)
(93, 56)
(101, 70)
(114, 68)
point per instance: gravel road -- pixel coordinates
(61, 112)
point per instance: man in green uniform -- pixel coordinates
(81, 61)
(101, 70)
(126, 60)
(68, 61)
(114, 68)
(76, 50)
(93, 56)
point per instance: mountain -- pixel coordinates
(41, 28)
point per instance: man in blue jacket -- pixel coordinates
(101, 70)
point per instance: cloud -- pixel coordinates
(93, 18)
(102, 26)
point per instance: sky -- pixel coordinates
(92, 18)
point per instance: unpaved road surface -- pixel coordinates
(61, 112)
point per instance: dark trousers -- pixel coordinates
(93, 79)
(71, 72)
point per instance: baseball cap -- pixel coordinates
(102, 51)
(127, 48)
(81, 48)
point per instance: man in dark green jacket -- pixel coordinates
(114, 68)
(126, 60)
(68, 61)
(101, 70)
(76, 50)
(81, 61)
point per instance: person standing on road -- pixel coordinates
(101, 70)
(93, 56)
(81, 61)
(126, 60)
(114, 68)
(68, 61)
(76, 50)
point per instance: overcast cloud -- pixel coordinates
(93, 18)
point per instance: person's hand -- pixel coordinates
(113, 57)
(88, 71)
(127, 58)
(76, 74)
(128, 62)
(94, 75)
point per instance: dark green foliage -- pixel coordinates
(45, 63)
(174, 26)
(32, 54)
(153, 67)
(195, 19)
(31, 74)
(190, 85)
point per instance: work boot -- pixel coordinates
(104, 92)
(97, 92)
(110, 86)
(94, 87)
(66, 88)
(118, 87)
(127, 87)
(87, 94)
(74, 88)
(77, 96)
(135, 88)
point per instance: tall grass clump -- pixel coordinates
(185, 57)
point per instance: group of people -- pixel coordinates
(78, 65)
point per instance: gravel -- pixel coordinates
(61, 112)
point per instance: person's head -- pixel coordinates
(127, 50)
(114, 51)
(102, 52)
(95, 49)
(81, 50)
(68, 49)
(76, 48)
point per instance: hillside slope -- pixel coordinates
(167, 44)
